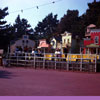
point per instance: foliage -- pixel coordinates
(71, 22)
(21, 27)
(92, 13)
(47, 27)
(4, 29)
(76, 24)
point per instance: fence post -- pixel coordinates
(25, 58)
(44, 61)
(17, 58)
(9, 58)
(55, 61)
(68, 64)
(81, 63)
(34, 60)
(95, 63)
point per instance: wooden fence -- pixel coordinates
(75, 62)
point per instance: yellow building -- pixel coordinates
(66, 41)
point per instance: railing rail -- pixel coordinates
(80, 62)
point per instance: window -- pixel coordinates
(53, 43)
(96, 40)
(64, 40)
(27, 41)
(68, 41)
(23, 41)
(25, 36)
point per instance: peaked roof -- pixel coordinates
(91, 26)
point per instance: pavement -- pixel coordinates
(39, 82)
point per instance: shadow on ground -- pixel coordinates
(5, 74)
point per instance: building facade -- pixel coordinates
(43, 46)
(56, 43)
(92, 41)
(24, 44)
(66, 42)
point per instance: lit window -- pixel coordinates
(68, 40)
(64, 40)
(96, 40)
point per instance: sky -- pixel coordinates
(35, 15)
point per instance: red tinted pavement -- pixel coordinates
(31, 82)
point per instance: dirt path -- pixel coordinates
(31, 82)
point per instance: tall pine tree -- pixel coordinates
(4, 29)
(47, 27)
(21, 27)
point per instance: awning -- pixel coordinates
(93, 46)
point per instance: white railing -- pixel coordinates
(80, 62)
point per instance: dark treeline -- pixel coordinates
(50, 25)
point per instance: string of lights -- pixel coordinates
(37, 7)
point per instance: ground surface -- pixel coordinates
(31, 82)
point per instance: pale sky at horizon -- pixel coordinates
(35, 15)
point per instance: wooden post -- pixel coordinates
(17, 59)
(68, 63)
(34, 60)
(81, 63)
(95, 63)
(55, 61)
(88, 50)
(9, 59)
(25, 58)
(44, 61)
(96, 50)
(80, 50)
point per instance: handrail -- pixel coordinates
(45, 59)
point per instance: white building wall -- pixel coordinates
(27, 42)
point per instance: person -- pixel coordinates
(5, 62)
(30, 50)
(25, 49)
(33, 52)
(58, 53)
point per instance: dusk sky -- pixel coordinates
(35, 15)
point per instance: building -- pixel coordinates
(56, 42)
(92, 40)
(62, 42)
(44, 46)
(88, 30)
(66, 42)
(24, 44)
(53, 43)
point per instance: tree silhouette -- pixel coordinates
(92, 13)
(47, 27)
(4, 29)
(21, 27)
(71, 22)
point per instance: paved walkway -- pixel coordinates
(31, 82)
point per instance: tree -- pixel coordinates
(21, 27)
(47, 27)
(71, 22)
(98, 22)
(92, 13)
(3, 14)
(4, 29)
